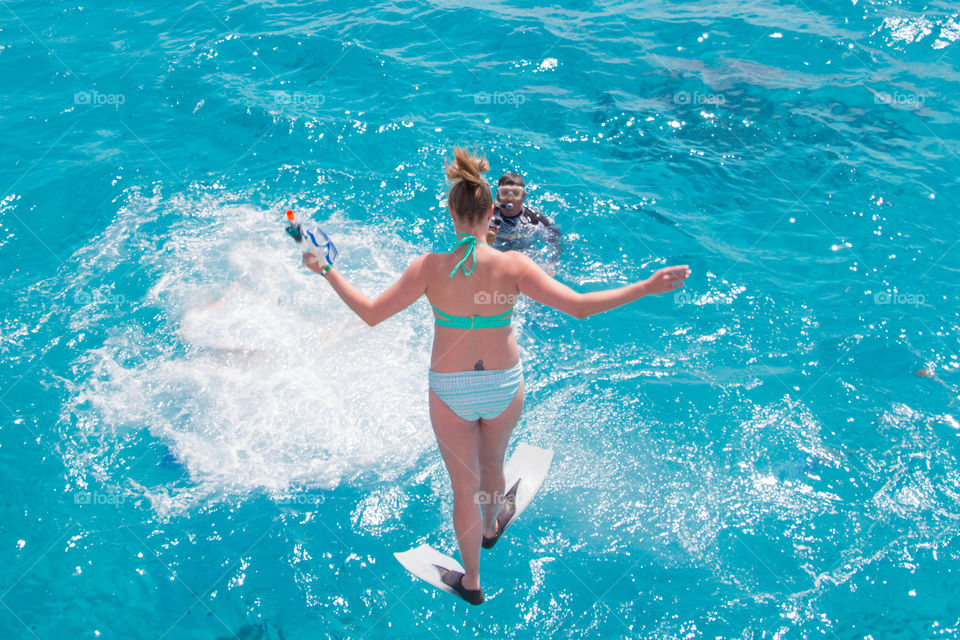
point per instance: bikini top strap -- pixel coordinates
(471, 243)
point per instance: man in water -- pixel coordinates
(514, 225)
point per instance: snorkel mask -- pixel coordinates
(509, 189)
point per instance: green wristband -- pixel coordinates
(323, 271)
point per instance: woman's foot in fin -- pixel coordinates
(455, 579)
(503, 517)
(486, 543)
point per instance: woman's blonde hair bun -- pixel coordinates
(467, 167)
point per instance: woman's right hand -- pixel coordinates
(314, 263)
(667, 279)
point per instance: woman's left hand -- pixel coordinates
(314, 263)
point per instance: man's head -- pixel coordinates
(511, 191)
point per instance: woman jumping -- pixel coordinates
(475, 378)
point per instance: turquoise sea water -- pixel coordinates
(199, 440)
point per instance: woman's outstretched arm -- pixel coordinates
(544, 289)
(398, 297)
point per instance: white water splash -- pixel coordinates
(261, 377)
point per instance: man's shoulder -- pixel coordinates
(536, 217)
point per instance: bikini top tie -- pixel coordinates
(471, 243)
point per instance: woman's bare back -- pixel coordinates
(490, 289)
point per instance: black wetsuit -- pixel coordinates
(521, 232)
(523, 225)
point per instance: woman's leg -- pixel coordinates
(458, 440)
(494, 437)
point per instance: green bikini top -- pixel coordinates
(470, 322)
